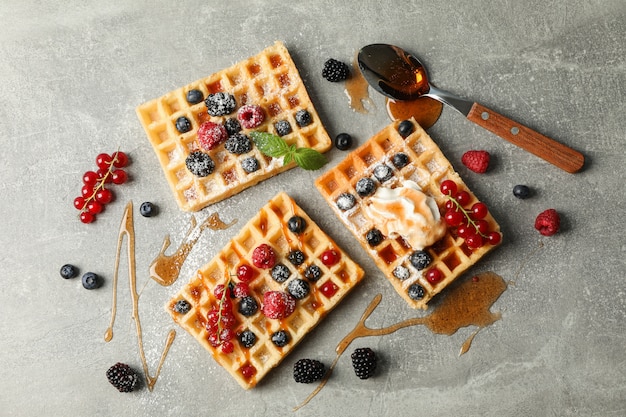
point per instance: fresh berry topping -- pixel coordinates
(296, 224)
(118, 176)
(307, 371)
(94, 207)
(232, 126)
(278, 304)
(263, 256)
(329, 289)
(363, 362)
(104, 196)
(245, 273)
(182, 307)
(280, 338)
(521, 191)
(248, 371)
(194, 96)
(365, 186)
(90, 178)
(335, 71)
(405, 128)
(343, 141)
(420, 259)
(479, 210)
(296, 257)
(68, 271)
(400, 160)
(474, 241)
(477, 161)
(200, 164)
(122, 377)
(346, 201)
(247, 338)
(120, 159)
(103, 161)
(90, 281)
(374, 237)
(250, 116)
(240, 289)
(548, 222)
(383, 173)
(248, 306)
(454, 217)
(250, 164)
(87, 217)
(434, 275)
(401, 272)
(280, 273)
(228, 347)
(313, 273)
(282, 127)
(330, 257)
(79, 203)
(220, 104)
(494, 238)
(210, 135)
(448, 187)
(298, 288)
(183, 125)
(416, 292)
(147, 209)
(238, 144)
(462, 197)
(303, 118)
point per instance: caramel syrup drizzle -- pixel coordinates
(357, 90)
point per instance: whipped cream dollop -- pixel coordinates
(408, 212)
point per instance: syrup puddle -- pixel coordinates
(165, 269)
(464, 305)
(357, 90)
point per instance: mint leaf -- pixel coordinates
(270, 145)
(309, 159)
(276, 147)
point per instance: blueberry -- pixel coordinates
(280, 273)
(68, 271)
(194, 96)
(296, 224)
(298, 288)
(182, 307)
(296, 257)
(420, 259)
(405, 128)
(280, 338)
(247, 338)
(303, 118)
(313, 273)
(282, 127)
(91, 281)
(416, 292)
(250, 164)
(400, 160)
(383, 173)
(147, 209)
(232, 126)
(238, 144)
(521, 191)
(374, 237)
(401, 272)
(200, 164)
(365, 186)
(346, 201)
(343, 141)
(248, 306)
(183, 125)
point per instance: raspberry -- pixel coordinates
(263, 256)
(278, 304)
(250, 116)
(210, 135)
(335, 71)
(477, 161)
(122, 377)
(548, 222)
(364, 362)
(220, 104)
(308, 370)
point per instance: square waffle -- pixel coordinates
(270, 80)
(428, 167)
(270, 226)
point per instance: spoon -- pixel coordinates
(399, 75)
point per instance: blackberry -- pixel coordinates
(313, 273)
(248, 306)
(365, 186)
(416, 292)
(122, 377)
(200, 164)
(68, 271)
(91, 281)
(383, 173)
(194, 96)
(374, 237)
(282, 127)
(343, 141)
(183, 125)
(364, 362)
(521, 191)
(335, 71)
(346, 201)
(303, 118)
(405, 128)
(232, 126)
(182, 307)
(400, 160)
(250, 164)
(296, 257)
(420, 259)
(247, 338)
(280, 273)
(280, 338)
(220, 104)
(307, 371)
(238, 144)
(401, 272)
(296, 224)
(147, 209)
(298, 288)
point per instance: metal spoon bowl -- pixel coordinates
(399, 75)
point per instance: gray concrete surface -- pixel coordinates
(72, 73)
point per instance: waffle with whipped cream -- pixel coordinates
(366, 192)
(269, 80)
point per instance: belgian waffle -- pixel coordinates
(270, 226)
(427, 167)
(270, 80)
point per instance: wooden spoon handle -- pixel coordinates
(542, 146)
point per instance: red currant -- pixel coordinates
(226, 335)
(482, 226)
(474, 241)
(479, 210)
(434, 275)
(79, 203)
(329, 289)
(450, 204)
(103, 161)
(104, 175)
(494, 238)
(213, 339)
(119, 176)
(448, 187)
(454, 217)
(228, 320)
(213, 316)
(86, 191)
(245, 273)
(228, 347)
(330, 257)
(104, 196)
(120, 160)
(87, 217)
(94, 207)
(248, 371)
(465, 230)
(241, 290)
(462, 197)
(90, 178)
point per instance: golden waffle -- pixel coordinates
(270, 80)
(428, 168)
(249, 365)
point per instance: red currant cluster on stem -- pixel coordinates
(470, 222)
(94, 194)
